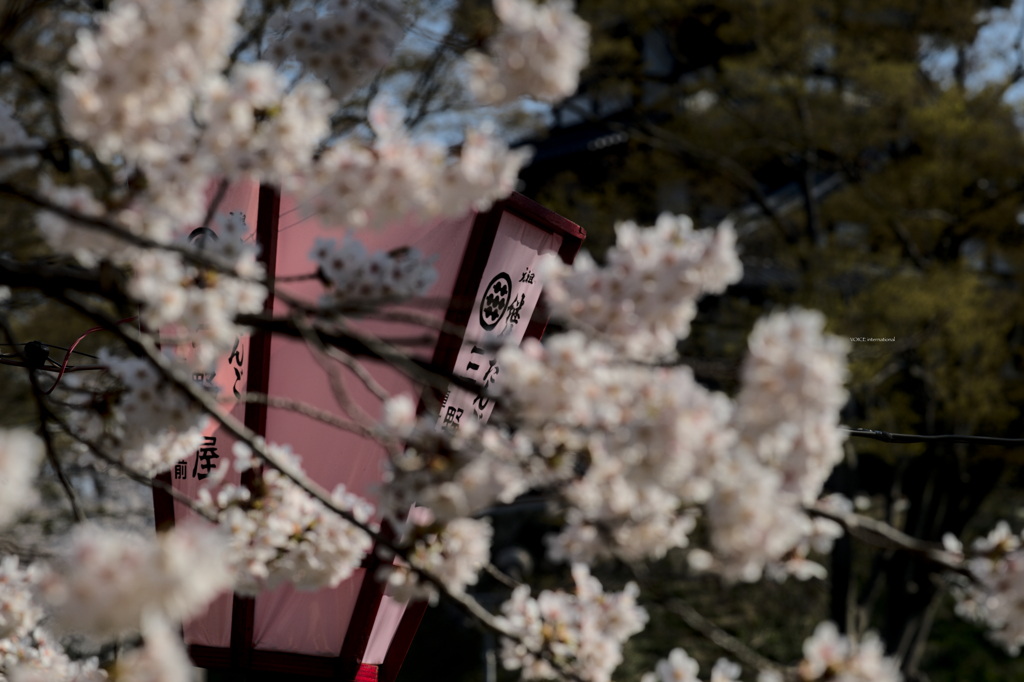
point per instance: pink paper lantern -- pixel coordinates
(485, 264)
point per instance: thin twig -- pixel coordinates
(881, 534)
(502, 577)
(423, 340)
(321, 355)
(420, 319)
(45, 415)
(361, 372)
(249, 39)
(726, 641)
(304, 409)
(357, 345)
(397, 359)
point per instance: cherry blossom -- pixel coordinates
(453, 554)
(829, 655)
(654, 446)
(789, 440)
(485, 172)
(583, 633)
(112, 579)
(452, 475)
(345, 43)
(995, 594)
(358, 184)
(21, 452)
(643, 301)
(725, 670)
(539, 51)
(132, 95)
(788, 408)
(19, 613)
(39, 657)
(86, 244)
(135, 76)
(200, 302)
(678, 667)
(135, 415)
(254, 125)
(279, 533)
(359, 279)
(649, 438)
(149, 89)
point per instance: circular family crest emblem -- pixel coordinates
(495, 301)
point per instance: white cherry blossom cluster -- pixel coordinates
(149, 91)
(582, 633)
(459, 474)
(39, 657)
(485, 172)
(358, 184)
(250, 125)
(87, 245)
(357, 278)
(19, 612)
(201, 302)
(132, 96)
(756, 528)
(135, 582)
(279, 533)
(21, 453)
(830, 655)
(649, 439)
(111, 579)
(137, 75)
(454, 554)
(254, 124)
(787, 412)
(680, 667)
(134, 414)
(13, 136)
(995, 597)
(539, 51)
(180, 122)
(787, 424)
(656, 445)
(344, 44)
(645, 298)
(637, 451)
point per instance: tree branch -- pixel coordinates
(725, 641)
(305, 409)
(45, 415)
(882, 535)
